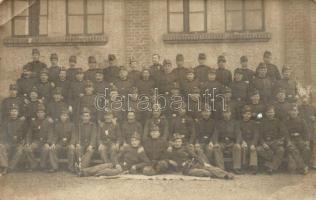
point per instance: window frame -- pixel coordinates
(13, 32)
(186, 17)
(85, 19)
(243, 12)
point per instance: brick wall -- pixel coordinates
(137, 31)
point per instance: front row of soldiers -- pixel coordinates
(193, 147)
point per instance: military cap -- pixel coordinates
(179, 57)
(85, 110)
(212, 71)
(254, 92)
(91, 59)
(246, 108)
(238, 71)
(13, 87)
(166, 62)
(221, 58)
(57, 90)
(227, 90)
(111, 57)
(136, 135)
(280, 90)
(88, 83)
(79, 71)
(267, 53)
(53, 56)
(262, 66)
(202, 56)
(133, 90)
(34, 89)
(73, 59)
(35, 51)
(286, 67)
(243, 59)
(44, 71)
(190, 70)
(40, 107)
(177, 136)
(14, 107)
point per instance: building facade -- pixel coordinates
(140, 28)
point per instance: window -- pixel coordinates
(30, 17)
(244, 15)
(85, 17)
(186, 16)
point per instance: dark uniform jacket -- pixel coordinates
(161, 122)
(205, 130)
(282, 110)
(155, 148)
(187, 86)
(273, 72)
(249, 132)
(180, 74)
(90, 74)
(156, 72)
(247, 74)
(65, 88)
(240, 90)
(109, 133)
(13, 131)
(212, 86)
(111, 73)
(201, 72)
(166, 82)
(31, 109)
(6, 105)
(224, 76)
(130, 156)
(85, 134)
(36, 67)
(71, 74)
(227, 132)
(308, 113)
(53, 73)
(44, 90)
(129, 128)
(272, 130)
(297, 128)
(290, 87)
(184, 125)
(54, 109)
(145, 86)
(40, 131)
(64, 133)
(257, 109)
(123, 86)
(134, 75)
(265, 88)
(25, 85)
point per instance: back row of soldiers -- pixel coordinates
(52, 110)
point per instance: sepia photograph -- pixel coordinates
(158, 99)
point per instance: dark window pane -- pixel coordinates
(76, 7)
(76, 24)
(21, 26)
(253, 20)
(197, 22)
(94, 24)
(175, 5)
(94, 7)
(234, 4)
(234, 21)
(176, 22)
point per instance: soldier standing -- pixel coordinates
(36, 65)
(134, 74)
(76, 90)
(13, 99)
(123, 83)
(56, 106)
(72, 70)
(111, 73)
(289, 85)
(145, 83)
(44, 87)
(189, 82)
(63, 84)
(26, 82)
(247, 74)
(93, 68)
(156, 68)
(281, 106)
(130, 126)
(202, 69)
(180, 72)
(167, 79)
(223, 75)
(239, 88)
(263, 84)
(272, 70)
(54, 69)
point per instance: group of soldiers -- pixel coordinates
(255, 120)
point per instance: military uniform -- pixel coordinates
(54, 108)
(240, 89)
(247, 74)
(289, 85)
(227, 138)
(128, 128)
(8, 102)
(36, 66)
(63, 139)
(188, 85)
(72, 70)
(76, 91)
(180, 71)
(167, 79)
(282, 109)
(123, 86)
(265, 88)
(111, 73)
(39, 138)
(85, 136)
(87, 101)
(184, 125)
(224, 76)
(108, 140)
(274, 134)
(214, 87)
(64, 85)
(44, 88)
(53, 71)
(299, 138)
(25, 84)
(145, 86)
(161, 122)
(90, 73)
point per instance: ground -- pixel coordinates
(63, 185)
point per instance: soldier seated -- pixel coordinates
(272, 141)
(250, 135)
(63, 141)
(130, 126)
(183, 159)
(299, 142)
